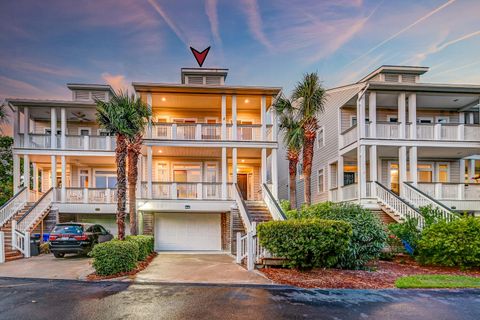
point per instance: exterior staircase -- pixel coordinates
(10, 253)
(258, 211)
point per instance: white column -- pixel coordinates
(63, 125)
(471, 170)
(340, 177)
(149, 104)
(263, 169)
(362, 171)
(224, 173)
(26, 126)
(402, 167)
(372, 114)
(53, 171)
(26, 171)
(470, 118)
(234, 165)
(224, 117)
(16, 125)
(274, 159)
(53, 127)
(401, 114)
(16, 173)
(64, 178)
(361, 117)
(35, 176)
(263, 114)
(412, 115)
(149, 172)
(234, 118)
(373, 167)
(413, 165)
(461, 164)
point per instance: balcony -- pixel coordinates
(185, 190)
(86, 195)
(209, 131)
(72, 142)
(423, 131)
(457, 196)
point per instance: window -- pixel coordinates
(84, 131)
(425, 172)
(162, 172)
(321, 181)
(393, 119)
(443, 172)
(425, 120)
(348, 178)
(442, 119)
(320, 137)
(353, 121)
(49, 131)
(84, 173)
(187, 173)
(105, 179)
(211, 174)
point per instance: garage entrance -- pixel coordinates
(188, 232)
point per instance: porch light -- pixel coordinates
(243, 160)
(164, 99)
(247, 101)
(160, 151)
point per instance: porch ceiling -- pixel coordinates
(202, 152)
(77, 160)
(429, 152)
(79, 114)
(430, 101)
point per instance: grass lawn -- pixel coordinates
(437, 281)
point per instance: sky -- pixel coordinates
(46, 44)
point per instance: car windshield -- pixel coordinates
(68, 229)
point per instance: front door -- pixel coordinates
(394, 178)
(242, 181)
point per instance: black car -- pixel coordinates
(73, 237)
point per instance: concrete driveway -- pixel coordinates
(48, 267)
(198, 268)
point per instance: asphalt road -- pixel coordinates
(60, 299)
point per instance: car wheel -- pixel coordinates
(59, 254)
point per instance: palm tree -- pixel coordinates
(309, 96)
(119, 117)
(293, 139)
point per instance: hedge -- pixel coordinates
(114, 256)
(145, 245)
(455, 243)
(306, 243)
(368, 232)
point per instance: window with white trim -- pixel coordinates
(320, 181)
(105, 179)
(162, 172)
(320, 137)
(443, 172)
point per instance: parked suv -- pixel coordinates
(73, 237)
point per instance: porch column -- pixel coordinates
(234, 165)
(53, 127)
(263, 110)
(263, 169)
(16, 173)
(373, 168)
(340, 177)
(471, 170)
(412, 115)
(372, 114)
(402, 167)
(16, 125)
(461, 164)
(401, 115)
(274, 173)
(53, 171)
(26, 127)
(224, 173)
(63, 125)
(224, 117)
(413, 165)
(35, 176)
(26, 171)
(149, 172)
(362, 171)
(64, 178)
(234, 119)
(149, 104)
(361, 116)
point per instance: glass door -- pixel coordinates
(394, 178)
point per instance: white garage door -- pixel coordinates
(187, 231)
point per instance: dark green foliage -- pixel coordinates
(114, 256)
(145, 245)
(368, 237)
(6, 169)
(306, 243)
(407, 231)
(455, 243)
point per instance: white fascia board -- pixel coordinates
(185, 205)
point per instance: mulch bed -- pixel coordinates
(382, 276)
(141, 265)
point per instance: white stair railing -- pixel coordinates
(397, 204)
(242, 208)
(249, 248)
(272, 204)
(20, 240)
(35, 212)
(420, 199)
(12, 206)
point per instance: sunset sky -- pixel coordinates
(45, 44)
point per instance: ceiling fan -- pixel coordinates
(79, 116)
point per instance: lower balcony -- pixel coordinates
(86, 200)
(186, 190)
(72, 142)
(457, 196)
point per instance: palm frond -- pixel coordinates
(310, 96)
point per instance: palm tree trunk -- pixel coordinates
(292, 170)
(133, 153)
(121, 159)
(309, 143)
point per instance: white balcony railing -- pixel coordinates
(86, 195)
(185, 190)
(72, 142)
(348, 136)
(457, 196)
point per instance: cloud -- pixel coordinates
(211, 11)
(254, 22)
(168, 21)
(405, 29)
(14, 88)
(117, 82)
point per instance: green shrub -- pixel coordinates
(145, 245)
(285, 205)
(114, 256)
(368, 232)
(407, 231)
(306, 243)
(455, 243)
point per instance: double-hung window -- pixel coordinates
(321, 181)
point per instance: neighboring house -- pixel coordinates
(207, 153)
(395, 143)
